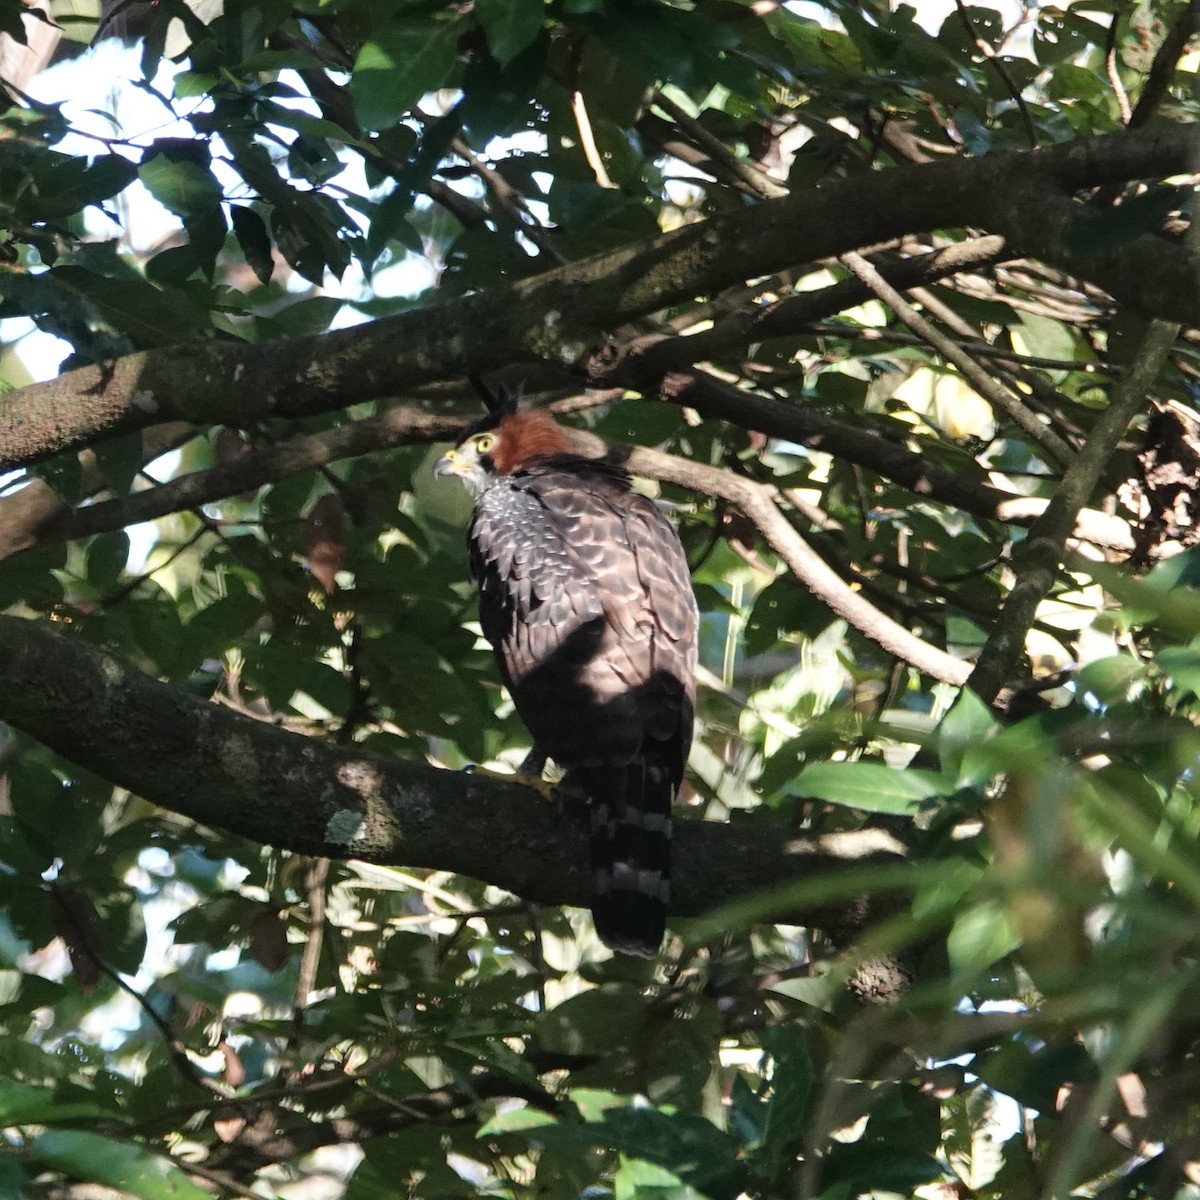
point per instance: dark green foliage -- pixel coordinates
(174, 997)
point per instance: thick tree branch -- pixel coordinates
(36, 515)
(796, 313)
(26, 515)
(400, 426)
(277, 788)
(713, 398)
(557, 315)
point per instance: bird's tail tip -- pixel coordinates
(631, 858)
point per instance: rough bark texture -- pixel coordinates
(220, 768)
(560, 314)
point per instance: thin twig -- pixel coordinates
(1051, 444)
(334, 103)
(757, 181)
(1048, 395)
(84, 941)
(1162, 70)
(870, 333)
(127, 589)
(358, 712)
(587, 140)
(756, 321)
(399, 426)
(227, 1182)
(310, 960)
(508, 200)
(1113, 71)
(761, 504)
(1001, 70)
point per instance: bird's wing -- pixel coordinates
(585, 594)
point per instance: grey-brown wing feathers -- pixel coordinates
(585, 595)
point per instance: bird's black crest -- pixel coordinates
(499, 400)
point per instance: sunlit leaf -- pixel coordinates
(871, 787)
(180, 185)
(97, 1159)
(401, 63)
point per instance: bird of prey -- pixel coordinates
(586, 598)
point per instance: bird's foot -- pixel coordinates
(528, 774)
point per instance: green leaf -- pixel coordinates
(1182, 666)
(510, 25)
(870, 787)
(980, 937)
(30, 577)
(968, 723)
(120, 459)
(1110, 679)
(106, 558)
(401, 63)
(1033, 1075)
(14, 1183)
(592, 1021)
(66, 185)
(64, 475)
(21, 1104)
(517, 1120)
(791, 1084)
(180, 185)
(1167, 597)
(1045, 337)
(306, 226)
(147, 314)
(691, 1147)
(639, 421)
(135, 1171)
(880, 1168)
(252, 236)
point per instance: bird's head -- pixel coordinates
(504, 442)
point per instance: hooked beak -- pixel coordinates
(462, 463)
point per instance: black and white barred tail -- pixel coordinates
(631, 853)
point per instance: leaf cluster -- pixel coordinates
(266, 298)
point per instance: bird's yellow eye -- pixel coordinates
(484, 442)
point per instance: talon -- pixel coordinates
(543, 787)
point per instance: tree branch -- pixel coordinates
(729, 166)
(36, 515)
(277, 788)
(713, 398)
(399, 426)
(995, 394)
(796, 313)
(1037, 562)
(555, 315)
(760, 502)
(26, 515)
(1162, 69)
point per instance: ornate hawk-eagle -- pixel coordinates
(585, 595)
